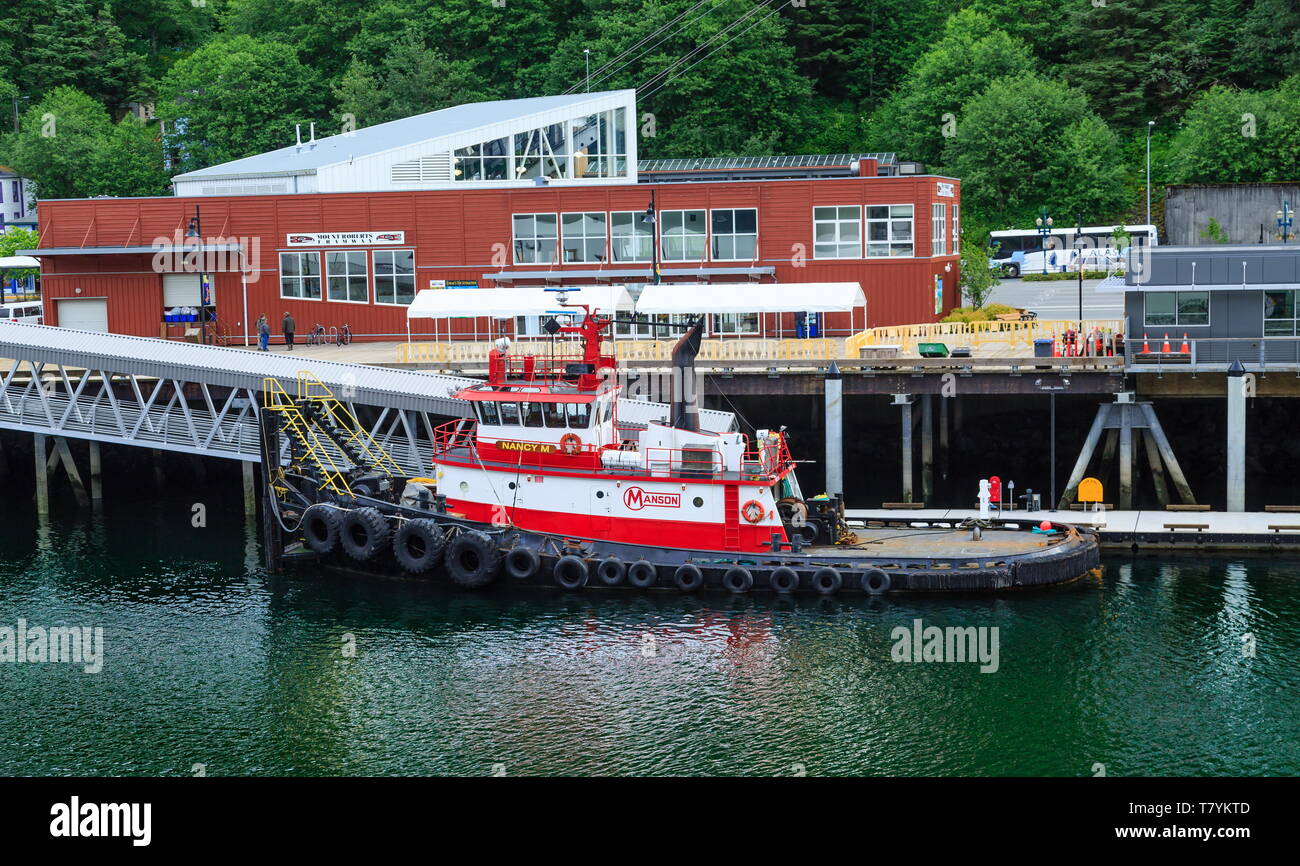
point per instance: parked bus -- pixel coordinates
(23, 312)
(1016, 251)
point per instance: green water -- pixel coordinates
(208, 661)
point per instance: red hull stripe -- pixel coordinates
(691, 535)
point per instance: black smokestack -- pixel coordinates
(686, 411)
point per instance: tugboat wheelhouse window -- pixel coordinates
(346, 276)
(509, 414)
(300, 275)
(487, 413)
(535, 238)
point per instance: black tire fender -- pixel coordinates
(827, 580)
(418, 545)
(876, 582)
(571, 571)
(738, 579)
(363, 533)
(472, 559)
(688, 577)
(784, 579)
(523, 562)
(642, 574)
(320, 528)
(611, 571)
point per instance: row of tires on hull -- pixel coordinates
(473, 560)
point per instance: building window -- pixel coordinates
(889, 230)
(938, 230)
(345, 275)
(394, 277)
(300, 276)
(600, 144)
(535, 238)
(956, 233)
(734, 234)
(487, 161)
(542, 152)
(583, 237)
(735, 323)
(682, 235)
(837, 232)
(1177, 308)
(1280, 313)
(631, 237)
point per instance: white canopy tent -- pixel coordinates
(751, 298)
(508, 303)
(18, 263)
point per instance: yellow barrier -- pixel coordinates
(752, 349)
(1011, 337)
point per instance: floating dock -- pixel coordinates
(1129, 530)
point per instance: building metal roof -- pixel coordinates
(737, 163)
(309, 157)
(626, 273)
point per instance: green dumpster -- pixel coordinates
(933, 350)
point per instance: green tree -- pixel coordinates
(236, 97)
(412, 79)
(1225, 138)
(129, 162)
(977, 279)
(58, 143)
(16, 238)
(925, 111)
(1020, 147)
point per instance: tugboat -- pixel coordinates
(543, 486)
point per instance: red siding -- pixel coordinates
(464, 234)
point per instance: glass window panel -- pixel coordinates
(346, 276)
(1279, 305)
(630, 237)
(554, 414)
(534, 240)
(877, 213)
(510, 414)
(532, 412)
(837, 233)
(683, 235)
(579, 414)
(1161, 308)
(1193, 308)
(900, 210)
(394, 276)
(889, 232)
(488, 412)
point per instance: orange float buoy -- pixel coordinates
(1046, 526)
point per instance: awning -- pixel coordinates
(507, 303)
(751, 298)
(132, 251)
(18, 262)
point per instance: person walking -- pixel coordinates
(263, 333)
(288, 326)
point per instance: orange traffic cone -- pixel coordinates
(1165, 350)
(1146, 347)
(1186, 348)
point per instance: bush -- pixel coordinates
(1067, 275)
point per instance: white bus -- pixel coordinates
(1013, 252)
(23, 312)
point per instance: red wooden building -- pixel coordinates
(543, 191)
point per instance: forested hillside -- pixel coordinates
(1032, 102)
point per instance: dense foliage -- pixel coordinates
(1033, 103)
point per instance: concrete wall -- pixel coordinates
(1240, 208)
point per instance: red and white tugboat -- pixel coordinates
(544, 485)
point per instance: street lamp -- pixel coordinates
(1044, 224)
(1285, 219)
(649, 219)
(586, 56)
(1150, 125)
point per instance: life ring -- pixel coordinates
(363, 533)
(753, 511)
(418, 544)
(570, 444)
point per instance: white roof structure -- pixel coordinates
(751, 298)
(579, 138)
(18, 262)
(508, 303)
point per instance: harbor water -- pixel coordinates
(210, 666)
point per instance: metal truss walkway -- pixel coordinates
(204, 400)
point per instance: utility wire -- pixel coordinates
(600, 73)
(674, 77)
(705, 44)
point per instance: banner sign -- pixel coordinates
(947, 190)
(345, 239)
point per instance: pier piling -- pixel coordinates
(904, 402)
(1236, 468)
(42, 476)
(96, 473)
(250, 488)
(834, 399)
(927, 448)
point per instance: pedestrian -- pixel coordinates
(288, 326)
(263, 333)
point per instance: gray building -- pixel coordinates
(1226, 302)
(1246, 213)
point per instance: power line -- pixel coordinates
(642, 92)
(642, 41)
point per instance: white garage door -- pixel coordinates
(180, 290)
(84, 314)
